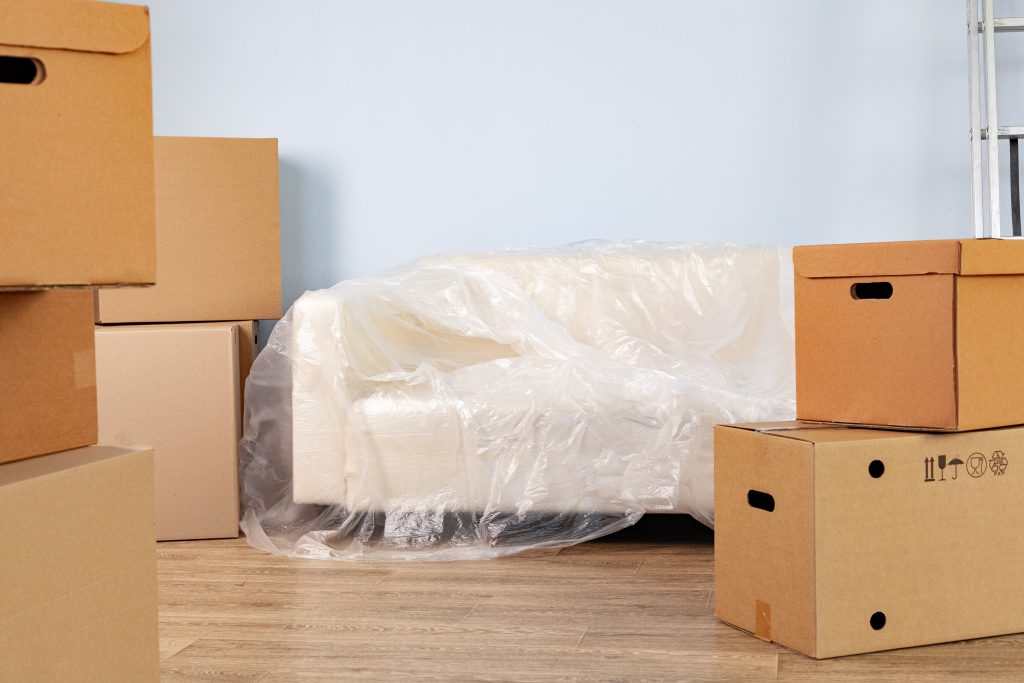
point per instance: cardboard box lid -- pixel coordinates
(74, 25)
(957, 257)
(56, 463)
(817, 432)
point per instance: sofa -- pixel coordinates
(569, 385)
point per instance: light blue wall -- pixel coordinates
(410, 127)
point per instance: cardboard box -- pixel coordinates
(76, 173)
(218, 236)
(79, 598)
(834, 541)
(923, 335)
(176, 388)
(47, 373)
(248, 348)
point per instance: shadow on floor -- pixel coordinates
(667, 529)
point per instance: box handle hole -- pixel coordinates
(20, 70)
(761, 500)
(878, 621)
(876, 468)
(871, 290)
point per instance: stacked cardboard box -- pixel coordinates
(79, 598)
(78, 576)
(881, 520)
(76, 206)
(172, 359)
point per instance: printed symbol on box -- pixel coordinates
(998, 463)
(955, 464)
(976, 465)
(929, 469)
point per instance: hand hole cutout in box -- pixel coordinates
(761, 500)
(21, 70)
(871, 290)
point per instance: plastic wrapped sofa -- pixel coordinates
(470, 406)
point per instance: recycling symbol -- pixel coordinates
(997, 463)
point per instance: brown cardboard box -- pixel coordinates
(942, 350)
(79, 598)
(837, 540)
(176, 388)
(76, 170)
(218, 236)
(248, 347)
(47, 373)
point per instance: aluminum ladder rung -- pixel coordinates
(1004, 25)
(1006, 133)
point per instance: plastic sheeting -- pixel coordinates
(480, 405)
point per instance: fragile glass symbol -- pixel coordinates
(976, 465)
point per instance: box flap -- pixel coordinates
(74, 25)
(34, 468)
(959, 257)
(818, 432)
(991, 257)
(877, 258)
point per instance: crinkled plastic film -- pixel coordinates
(481, 405)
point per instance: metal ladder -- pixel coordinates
(982, 26)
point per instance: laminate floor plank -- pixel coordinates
(638, 605)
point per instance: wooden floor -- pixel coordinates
(634, 606)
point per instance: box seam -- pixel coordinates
(956, 352)
(68, 471)
(814, 547)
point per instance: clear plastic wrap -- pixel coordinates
(474, 406)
